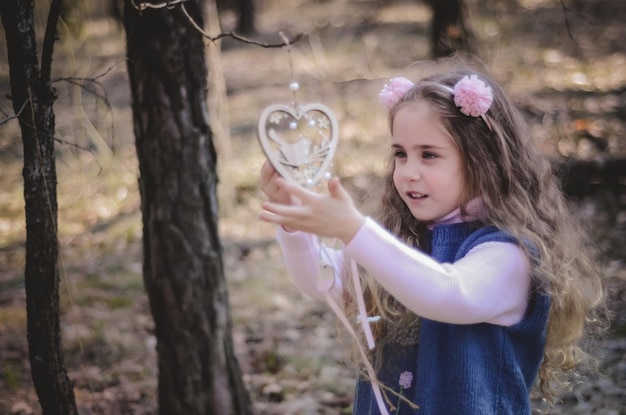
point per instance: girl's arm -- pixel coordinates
(301, 250)
(490, 284)
(301, 253)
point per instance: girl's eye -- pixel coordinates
(399, 154)
(429, 155)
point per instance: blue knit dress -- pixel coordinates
(474, 369)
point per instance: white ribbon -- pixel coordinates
(363, 320)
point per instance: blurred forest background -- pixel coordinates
(563, 62)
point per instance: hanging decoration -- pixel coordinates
(300, 142)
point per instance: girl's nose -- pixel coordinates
(412, 172)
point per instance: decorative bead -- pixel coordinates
(312, 123)
(309, 183)
(293, 125)
(327, 175)
(294, 86)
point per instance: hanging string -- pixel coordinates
(328, 285)
(293, 84)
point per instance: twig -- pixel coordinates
(168, 4)
(81, 81)
(78, 147)
(286, 42)
(16, 115)
(173, 3)
(58, 140)
(569, 29)
(566, 10)
(82, 148)
(109, 69)
(103, 96)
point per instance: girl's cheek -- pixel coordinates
(396, 179)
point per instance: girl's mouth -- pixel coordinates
(416, 195)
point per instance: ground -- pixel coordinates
(563, 64)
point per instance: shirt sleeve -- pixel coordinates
(305, 260)
(490, 284)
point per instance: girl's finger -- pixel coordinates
(297, 191)
(268, 216)
(267, 171)
(282, 214)
(269, 207)
(281, 209)
(336, 190)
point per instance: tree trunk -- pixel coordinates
(583, 178)
(247, 15)
(450, 32)
(183, 269)
(33, 97)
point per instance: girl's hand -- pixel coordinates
(268, 185)
(332, 214)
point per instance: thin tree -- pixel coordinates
(33, 97)
(183, 268)
(247, 14)
(450, 30)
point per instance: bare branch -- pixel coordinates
(286, 42)
(170, 4)
(58, 140)
(109, 69)
(82, 82)
(296, 39)
(565, 11)
(16, 115)
(82, 148)
(173, 3)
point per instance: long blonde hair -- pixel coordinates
(523, 198)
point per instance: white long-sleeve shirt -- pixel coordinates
(490, 284)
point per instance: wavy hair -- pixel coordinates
(523, 198)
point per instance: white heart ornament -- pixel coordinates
(299, 142)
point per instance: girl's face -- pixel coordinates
(428, 172)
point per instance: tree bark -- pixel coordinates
(450, 32)
(33, 97)
(183, 269)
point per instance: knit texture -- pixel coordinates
(464, 369)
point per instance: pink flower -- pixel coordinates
(406, 379)
(472, 96)
(393, 91)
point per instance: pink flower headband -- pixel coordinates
(471, 95)
(394, 90)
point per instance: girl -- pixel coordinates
(474, 264)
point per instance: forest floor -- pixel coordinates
(570, 84)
